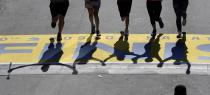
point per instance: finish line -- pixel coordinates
(25, 49)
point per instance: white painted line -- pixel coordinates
(119, 68)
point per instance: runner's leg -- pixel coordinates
(90, 12)
(184, 12)
(177, 9)
(157, 14)
(96, 17)
(152, 18)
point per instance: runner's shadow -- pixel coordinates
(86, 52)
(152, 49)
(50, 57)
(121, 49)
(179, 54)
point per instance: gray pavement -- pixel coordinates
(33, 17)
(102, 84)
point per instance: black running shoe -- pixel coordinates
(135, 60)
(161, 23)
(126, 33)
(179, 36)
(154, 33)
(98, 34)
(122, 33)
(53, 24)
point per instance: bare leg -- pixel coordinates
(97, 22)
(184, 13)
(152, 18)
(178, 13)
(154, 27)
(54, 21)
(60, 28)
(126, 22)
(90, 11)
(126, 25)
(61, 24)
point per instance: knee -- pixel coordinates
(90, 13)
(127, 18)
(96, 15)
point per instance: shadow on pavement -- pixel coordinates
(86, 52)
(179, 54)
(50, 57)
(121, 49)
(152, 49)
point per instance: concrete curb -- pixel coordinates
(111, 68)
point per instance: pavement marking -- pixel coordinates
(112, 68)
(25, 49)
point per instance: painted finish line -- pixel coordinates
(83, 48)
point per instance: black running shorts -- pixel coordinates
(59, 8)
(124, 7)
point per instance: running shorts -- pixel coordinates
(92, 3)
(59, 8)
(124, 7)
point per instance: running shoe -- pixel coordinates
(179, 36)
(126, 32)
(122, 33)
(161, 23)
(134, 60)
(98, 34)
(154, 33)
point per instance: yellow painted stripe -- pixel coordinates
(194, 42)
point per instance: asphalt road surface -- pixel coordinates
(33, 17)
(30, 17)
(102, 84)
